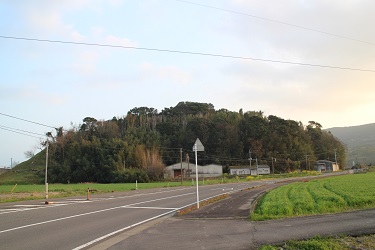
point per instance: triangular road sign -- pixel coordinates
(199, 145)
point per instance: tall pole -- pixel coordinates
(196, 172)
(45, 179)
(335, 157)
(187, 161)
(256, 160)
(181, 165)
(273, 172)
(250, 160)
(11, 164)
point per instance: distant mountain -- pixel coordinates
(360, 141)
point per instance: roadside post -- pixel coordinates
(198, 146)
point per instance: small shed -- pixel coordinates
(326, 166)
(264, 169)
(239, 170)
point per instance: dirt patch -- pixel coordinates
(25, 196)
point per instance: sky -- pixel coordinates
(49, 84)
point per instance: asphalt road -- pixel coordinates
(78, 223)
(225, 225)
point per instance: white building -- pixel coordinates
(262, 169)
(188, 170)
(240, 171)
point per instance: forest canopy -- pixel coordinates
(139, 145)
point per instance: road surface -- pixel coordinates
(75, 223)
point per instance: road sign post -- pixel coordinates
(198, 146)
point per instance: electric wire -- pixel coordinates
(189, 53)
(278, 22)
(21, 119)
(19, 132)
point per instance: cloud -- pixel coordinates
(36, 93)
(169, 73)
(118, 41)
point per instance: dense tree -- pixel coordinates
(140, 144)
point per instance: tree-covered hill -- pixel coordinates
(360, 141)
(140, 144)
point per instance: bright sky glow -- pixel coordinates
(59, 84)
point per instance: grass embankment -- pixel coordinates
(28, 172)
(328, 243)
(329, 195)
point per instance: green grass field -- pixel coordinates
(328, 195)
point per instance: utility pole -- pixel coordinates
(11, 164)
(273, 169)
(187, 161)
(45, 178)
(335, 157)
(256, 160)
(181, 165)
(250, 160)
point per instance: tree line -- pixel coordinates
(139, 145)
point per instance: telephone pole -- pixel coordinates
(181, 165)
(187, 161)
(306, 160)
(45, 177)
(250, 160)
(335, 157)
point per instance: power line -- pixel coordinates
(278, 22)
(188, 53)
(25, 131)
(37, 123)
(19, 132)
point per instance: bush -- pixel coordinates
(130, 175)
(249, 178)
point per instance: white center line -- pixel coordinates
(89, 213)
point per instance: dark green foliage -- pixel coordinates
(141, 143)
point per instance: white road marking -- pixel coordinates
(80, 200)
(120, 230)
(28, 205)
(133, 225)
(89, 213)
(157, 208)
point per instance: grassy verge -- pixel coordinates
(328, 243)
(10, 193)
(329, 195)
